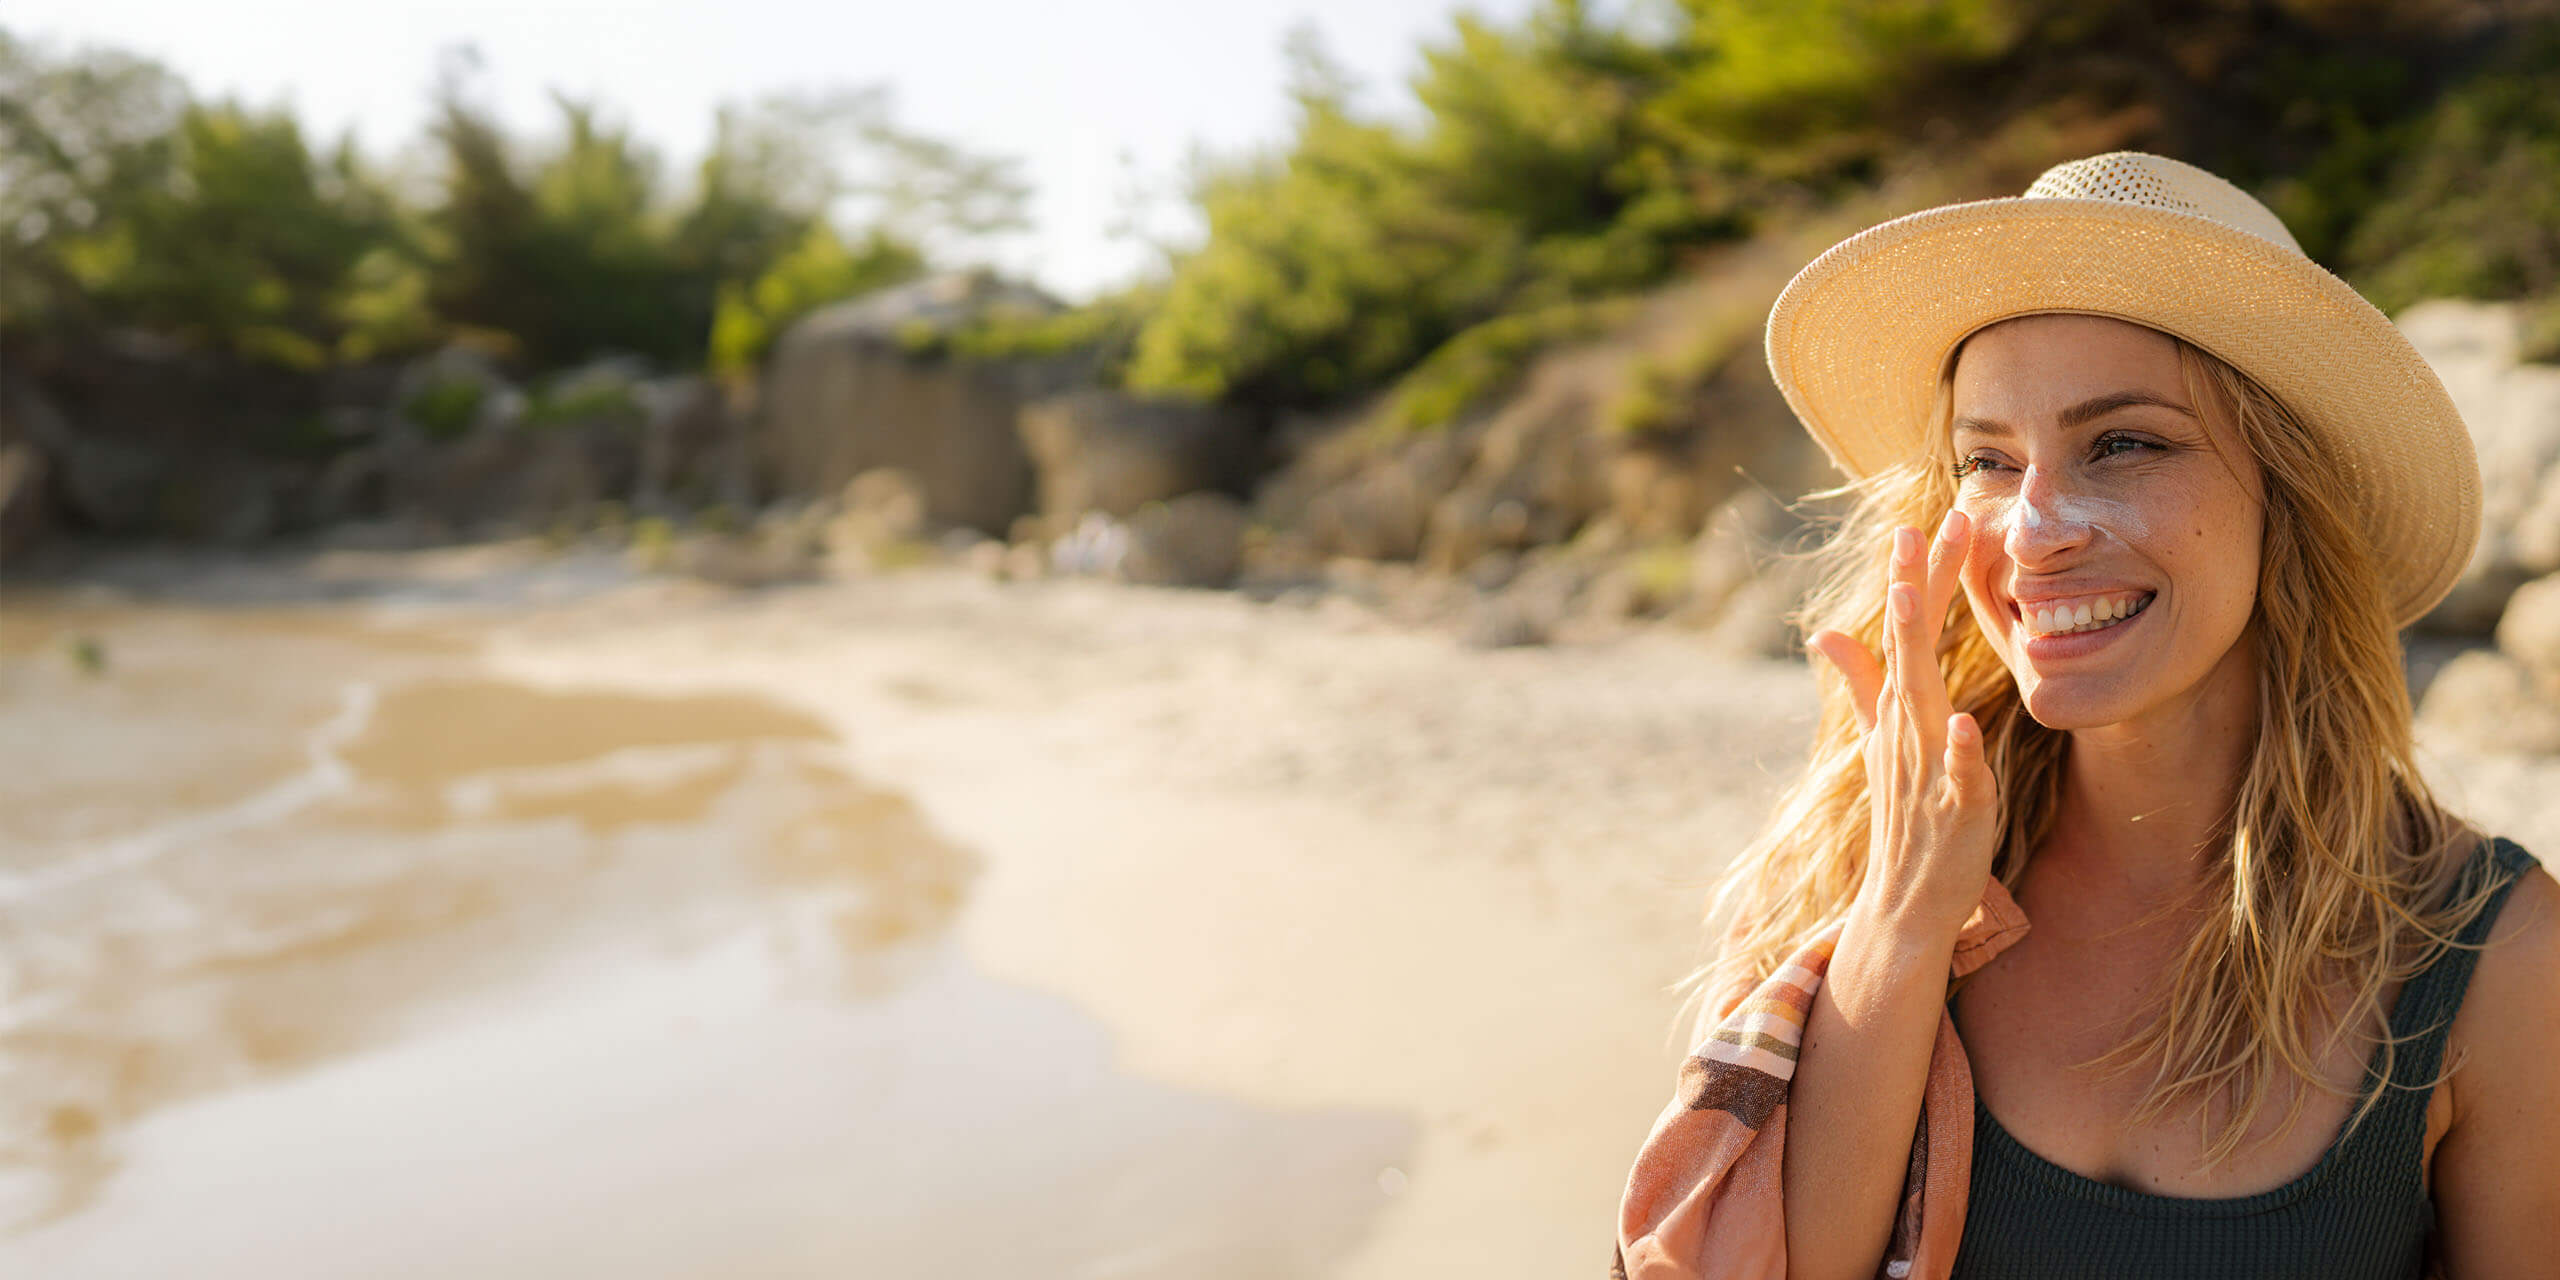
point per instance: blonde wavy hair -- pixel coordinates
(2337, 867)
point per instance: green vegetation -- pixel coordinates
(1486, 359)
(1557, 167)
(445, 409)
(127, 205)
(1564, 161)
(583, 400)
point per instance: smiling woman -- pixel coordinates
(2168, 462)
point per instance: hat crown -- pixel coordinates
(2138, 177)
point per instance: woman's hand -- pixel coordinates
(1934, 802)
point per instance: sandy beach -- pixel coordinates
(921, 922)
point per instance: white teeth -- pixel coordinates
(2096, 615)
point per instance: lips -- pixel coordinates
(2078, 641)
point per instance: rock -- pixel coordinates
(745, 560)
(1097, 545)
(1537, 472)
(693, 448)
(222, 499)
(24, 512)
(510, 479)
(1026, 562)
(1107, 451)
(987, 559)
(609, 389)
(454, 392)
(2489, 701)
(354, 486)
(878, 523)
(861, 385)
(2513, 412)
(2529, 631)
(1504, 624)
(1195, 540)
(1493, 570)
(891, 499)
(103, 483)
(1746, 576)
(26, 469)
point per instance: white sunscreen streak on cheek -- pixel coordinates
(2111, 516)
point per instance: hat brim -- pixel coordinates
(1858, 337)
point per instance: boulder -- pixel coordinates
(2529, 631)
(143, 437)
(1096, 546)
(2489, 701)
(1108, 451)
(1505, 624)
(513, 479)
(693, 448)
(2513, 411)
(1747, 574)
(1195, 540)
(878, 521)
(24, 517)
(26, 469)
(454, 392)
(103, 483)
(867, 384)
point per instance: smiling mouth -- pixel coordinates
(2096, 613)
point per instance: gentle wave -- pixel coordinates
(325, 775)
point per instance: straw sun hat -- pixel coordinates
(1857, 339)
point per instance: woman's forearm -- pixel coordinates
(1855, 1101)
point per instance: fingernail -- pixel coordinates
(1899, 599)
(1906, 545)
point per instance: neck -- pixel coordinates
(2141, 799)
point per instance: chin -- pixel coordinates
(2077, 703)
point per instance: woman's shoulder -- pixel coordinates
(2494, 1183)
(2508, 1026)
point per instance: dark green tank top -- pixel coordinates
(2362, 1211)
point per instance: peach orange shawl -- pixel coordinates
(1702, 1202)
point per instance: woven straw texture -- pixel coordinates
(1857, 339)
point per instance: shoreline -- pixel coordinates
(1296, 857)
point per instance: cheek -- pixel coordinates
(1990, 515)
(1983, 563)
(2219, 540)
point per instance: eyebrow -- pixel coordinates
(2080, 414)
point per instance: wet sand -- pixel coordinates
(444, 922)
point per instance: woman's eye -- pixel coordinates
(1971, 463)
(2106, 446)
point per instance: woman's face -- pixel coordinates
(2114, 561)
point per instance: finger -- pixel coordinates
(1865, 676)
(1912, 661)
(1968, 768)
(1946, 562)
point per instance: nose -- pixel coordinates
(2043, 526)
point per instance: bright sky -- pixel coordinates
(1069, 88)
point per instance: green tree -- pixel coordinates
(1332, 267)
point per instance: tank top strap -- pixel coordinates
(2422, 1017)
